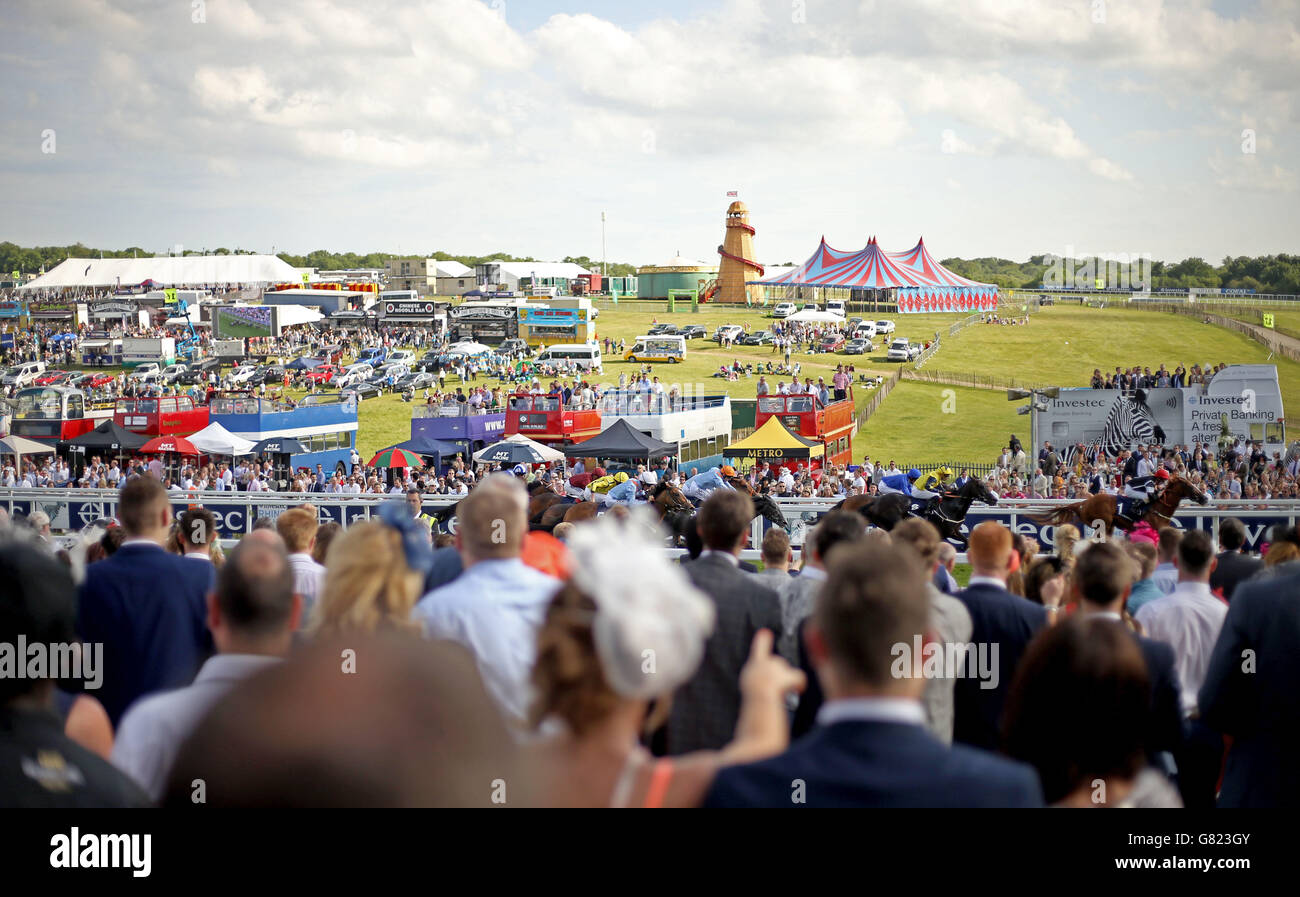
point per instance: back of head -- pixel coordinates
(1169, 539)
(1077, 707)
(922, 536)
(1102, 573)
(723, 519)
(255, 589)
(776, 547)
(493, 518)
(325, 535)
(1195, 552)
(197, 527)
(990, 546)
(836, 528)
(1144, 555)
(874, 598)
(38, 602)
(1232, 534)
(368, 585)
(370, 721)
(139, 506)
(297, 527)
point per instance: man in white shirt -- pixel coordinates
(1190, 617)
(1165, 576)
(252, 613)
(297, 526)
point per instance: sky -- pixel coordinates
(989, 127)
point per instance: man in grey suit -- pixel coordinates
(705, 709)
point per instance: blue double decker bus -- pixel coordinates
(325, 424)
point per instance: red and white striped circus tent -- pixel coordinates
(918, 281)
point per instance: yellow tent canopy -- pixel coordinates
(774, 441)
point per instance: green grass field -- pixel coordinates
(1060, 346)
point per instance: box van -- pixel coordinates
(23, 374)
(584, 356)
(665, 348)
(835, 307)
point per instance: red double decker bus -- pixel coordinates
(53, 413)
(545, 419)
(830, 424)
(161, 416)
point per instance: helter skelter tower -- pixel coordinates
(738, 265)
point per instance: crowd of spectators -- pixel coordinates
(510, 667)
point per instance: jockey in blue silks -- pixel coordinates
(899, 482)
(624, 492)
(702, 485)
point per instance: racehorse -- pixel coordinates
(950, 512)
(681, 522)
(1104, 509)
(888, 510)
(537, 489)
(666, 498)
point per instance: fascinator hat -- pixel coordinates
(650, 624)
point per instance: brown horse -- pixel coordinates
(666, 498)
(1104, 509)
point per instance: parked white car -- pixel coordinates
(145, 372)
(401, 356)
(732, 332)
(902, 350)
(175, 372)
(23, 374)
(865, 330)
(243, 374)
(836, 307)
(884, 327)
(783, 310)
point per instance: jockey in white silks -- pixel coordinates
(702, 485)
(624, 492)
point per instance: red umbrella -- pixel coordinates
(175, 444)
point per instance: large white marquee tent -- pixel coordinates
(167, 271)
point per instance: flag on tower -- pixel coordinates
(732, 193)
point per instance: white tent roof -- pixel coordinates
(452, 268)
(540, 269)
(215, 439)
(816, 317)
(468, 348)
(168, 270)
(546, 453)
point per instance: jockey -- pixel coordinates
(602, 484)
(935, 480)
(624, 492)
(578, 483)
(1145, 490)
(702, 485)
(900, 483)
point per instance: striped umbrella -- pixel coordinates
(396, 457)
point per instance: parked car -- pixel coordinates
(90, 380)
(693, 331)
(832, 342)
(148, 371)
(859, 346)
(360, 391)
(372, 356)
(884, 327)
(835, 307)
(783, 310)
(902, 350)
(415, 380)
(174, 373)
(757, 338)
(657, 329)
(50, 378)
(323, 374)
(244, 374)
(23, 374)
(864, 330)
(513, 347)
(728, 331)
(272, 373)
(401, 356)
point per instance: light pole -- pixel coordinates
(604, 267)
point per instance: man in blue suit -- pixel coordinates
(1004, 625)
(870, 747)
(146, 606)
(1250, 692)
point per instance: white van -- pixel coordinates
(584, 356)
(835, 307)
(23, 374)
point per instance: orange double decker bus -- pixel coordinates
(830, 424)
(545, 419)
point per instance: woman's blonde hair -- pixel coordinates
(1065, 536)
(368, 586)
